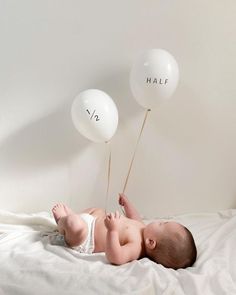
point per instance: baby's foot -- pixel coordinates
(59, 211)
(68, 210)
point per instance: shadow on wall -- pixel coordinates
(53, 139)
(50, 140)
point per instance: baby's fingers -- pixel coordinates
(110, 216)
(121, 201)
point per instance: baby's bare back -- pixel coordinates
(129, 231)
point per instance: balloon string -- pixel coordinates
(136, 146)
(108, 176)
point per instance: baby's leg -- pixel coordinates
(72, 226)
(60, 210)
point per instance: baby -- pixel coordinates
(126, 238)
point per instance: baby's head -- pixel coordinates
(170, 244)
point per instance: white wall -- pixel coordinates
(52, 50)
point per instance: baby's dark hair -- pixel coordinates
(176, 250)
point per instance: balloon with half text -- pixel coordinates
(154, 77)
(95, 115)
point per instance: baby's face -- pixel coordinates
(157, 229)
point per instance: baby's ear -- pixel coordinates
(150, 243)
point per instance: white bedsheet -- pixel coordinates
(31, 264)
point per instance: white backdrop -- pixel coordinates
(52, 50)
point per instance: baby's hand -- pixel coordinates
(122, 199)
(112, 221)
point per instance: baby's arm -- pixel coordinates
(115, 253)
(130, 210)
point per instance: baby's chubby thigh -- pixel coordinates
(74, 229)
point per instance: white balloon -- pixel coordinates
(154, 77)
(95, 115)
